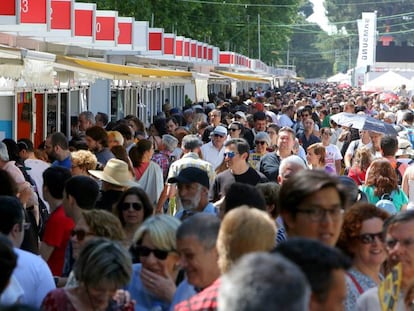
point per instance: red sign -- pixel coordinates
(61, 14)
(199, 51)
(186, 48)
(193, 49)
(169, 46)
(125, 33)
(8, 7)
(33, 11)
(204, 52)
(105, 28)
(83, 23)
(179, 48)
(155, 43)
(224, 58)
(210, 53)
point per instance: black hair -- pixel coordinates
(54, 179)
(84, 189)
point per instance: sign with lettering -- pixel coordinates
(33, 11)
(105, 25)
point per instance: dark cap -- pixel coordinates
(190, 175)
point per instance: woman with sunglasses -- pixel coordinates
(361, 238)
(261, 142)
(155, 279)
(132, 209)
(93, 224)
(236, 130)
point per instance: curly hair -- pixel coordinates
(85, 159)
(382, 176)
(362, 158)
(104, 224)
(353, 219)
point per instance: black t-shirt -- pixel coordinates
(226, 178)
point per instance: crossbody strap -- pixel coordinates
(353, 279)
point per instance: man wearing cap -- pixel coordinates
(193, 185)
(191, 147)
(213, 151)
(115, 179)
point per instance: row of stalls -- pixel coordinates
(59, 58)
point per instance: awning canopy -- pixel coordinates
(243, 77)
(122, 72)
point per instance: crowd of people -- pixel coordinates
(265, 200)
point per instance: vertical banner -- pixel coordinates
(367, 28)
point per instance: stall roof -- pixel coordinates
(122, 70)
(243, 77)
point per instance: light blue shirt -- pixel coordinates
(209, 209)
(184, 292)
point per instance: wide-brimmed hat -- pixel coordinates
(404, 148)
(115, 172)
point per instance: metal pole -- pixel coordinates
(248, 36)
(258, 36)
(349, 53)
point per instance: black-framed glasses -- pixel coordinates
(259, 142)
(80, 234)
(233, 129)
(391, 243)
(238, 117)
(318, 214)
(369, 238)
(146, 251)
(230, 154)
(136, 206)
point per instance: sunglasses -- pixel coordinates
(369, 238)
(237, 117)
(136, 206)
(233, 129)
(260, 142)
(146, 251)
(80, 234)
(230, 154)
(305, 115)
(218, 135)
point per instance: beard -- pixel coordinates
(192, 203)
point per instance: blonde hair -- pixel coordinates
(84, 159)
(117, 137)
(161, 229)
(104, 224)
(244, 230)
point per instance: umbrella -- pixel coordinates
(363, 122)
(388, 96)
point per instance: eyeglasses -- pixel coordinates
(218, 135)
(136, 206)
(369, 238)
(318, 214)
(237, 117)
(260, 142)
(80, 234)
(335, 108)
(146, 251)
(230, 154)
(233, 129)
(305, 115)
(391, 243)
(327, 133)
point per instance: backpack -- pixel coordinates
(387, 204)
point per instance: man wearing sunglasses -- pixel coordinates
(236, 157)
(213, 151)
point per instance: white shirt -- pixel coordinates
(34, 276)
(37, 167)
(284, 120)
(332, 154)
(212, 154)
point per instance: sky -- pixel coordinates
(319, 16)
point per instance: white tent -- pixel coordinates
(388, 81)
(339, 78)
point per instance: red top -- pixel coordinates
(357, 174)
(57, 234)
(203, 301)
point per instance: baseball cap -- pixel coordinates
(241, 115)
(190, 175)
(220, 130)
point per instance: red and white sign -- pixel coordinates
(187, 44)
(105, 25)
(169, 44)
(61, 14)
(33, 11)
(125, 28)
(84, 20)
(179, 46)
(193, 49)
(155, 39)
(210, 53)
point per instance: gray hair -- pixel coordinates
(191, 142)
(262, 281)
(205, 227)
(294, 160)
(88, 116)
(170, 142)
(103, 260)
(4, 154)
(161, 229)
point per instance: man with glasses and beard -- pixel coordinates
(193, 186)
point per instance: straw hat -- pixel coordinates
(115, 172)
